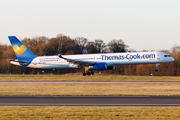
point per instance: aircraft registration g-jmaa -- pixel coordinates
(103, 61)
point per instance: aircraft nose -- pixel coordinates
(172, 59)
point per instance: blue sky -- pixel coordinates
(141, 24)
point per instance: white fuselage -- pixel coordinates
(111, 59)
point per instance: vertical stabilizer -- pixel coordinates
(21, 51)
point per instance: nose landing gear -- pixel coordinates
(157, 67)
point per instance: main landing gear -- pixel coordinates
(157, 67)
(88, 71)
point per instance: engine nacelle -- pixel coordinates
(102, 66)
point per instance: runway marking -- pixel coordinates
(2, 83)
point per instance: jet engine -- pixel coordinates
(102, 66)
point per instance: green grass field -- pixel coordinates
(89, 113)
(85, 78)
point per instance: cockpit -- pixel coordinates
(167, 56)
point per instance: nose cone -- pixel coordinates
(172, 59)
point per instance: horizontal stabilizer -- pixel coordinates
(23, 62)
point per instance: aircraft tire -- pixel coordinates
(88, 73)
(92, 73)
(84, 74)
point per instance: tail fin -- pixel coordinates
(21, 51)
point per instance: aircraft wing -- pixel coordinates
(80, 63)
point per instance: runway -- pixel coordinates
(79, 82)
(90, 100)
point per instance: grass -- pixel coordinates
(153, 89)
(84, 112)
(89, 113)
(85, 78)
(157, 89)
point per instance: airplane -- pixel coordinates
(100, 61)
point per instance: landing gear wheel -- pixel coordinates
(88, 73)
(157, 67)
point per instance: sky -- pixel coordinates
(141, 24)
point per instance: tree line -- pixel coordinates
(43, 46)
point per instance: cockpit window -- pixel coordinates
(167, 56)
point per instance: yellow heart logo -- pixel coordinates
(19, 50)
